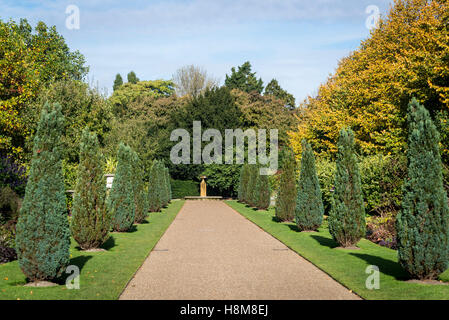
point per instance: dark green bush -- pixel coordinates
(12, 175)
(140, 192)
(156, 187)
(188, 188)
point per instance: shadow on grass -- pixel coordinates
(109, 244)
(79, 261)
(293, 227)
(388, 267)
(325, 241)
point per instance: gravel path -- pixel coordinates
(212, 252)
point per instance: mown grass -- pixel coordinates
(347, 266)
(103, 275)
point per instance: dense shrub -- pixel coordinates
(7, 254)
(423, 223)
(181, 189)
(309, 204)
(286, 198)
(382, 230)
(91, 221)
(121, 198)
(243, 183)
(347, 215)
(12, 175)
(43, 235)
(10, 204)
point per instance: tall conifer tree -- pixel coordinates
(309, 203)
(423, 223)
(43, 234)
(347, 216)
(91, 221)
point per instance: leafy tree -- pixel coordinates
(91, 220)
(121, 198)
(117, 82)
(286, 198)
(140, 194)
(155, 196)
(263, 112)
(423, 223)
(81, 106)
(274, 89)
(131, 92)
(405, 57)
(244, 79)
(347, 216)
(30, 60)
(192, 80)
(309, 204)
(168, 182)
(132, 78)
(215, 109)
(43, 235)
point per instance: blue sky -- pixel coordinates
(298, 42)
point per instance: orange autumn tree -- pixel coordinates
(29, 60)
(406, 56)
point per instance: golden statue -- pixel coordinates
(203, 192)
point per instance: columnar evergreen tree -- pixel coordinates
(347, 216)
(243, 183)
(286, 199)
(43, 234)
(252, 180)
(168, 184)
(154, 189)
(140, 194)
(309, 203)
(263, 193)
(117, 82)
(423, 223)
(132, 78)
(91, 221)
(121, 197)
(164, 185)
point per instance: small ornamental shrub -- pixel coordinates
(347, 216)
(423, 223)
(43, 234)
(309, 204)
(121, 197)
(140, 192)
(91, 221)
(286, 199)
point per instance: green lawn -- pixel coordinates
(104, 275)
(347, 266)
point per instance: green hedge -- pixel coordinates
(382, 178)
(181, 189)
